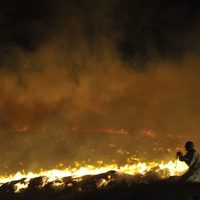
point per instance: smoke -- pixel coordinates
(95, 65)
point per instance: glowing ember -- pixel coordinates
(163, 169)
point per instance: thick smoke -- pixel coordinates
(92, 65)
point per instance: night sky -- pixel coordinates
(122, 64)
(135, 27)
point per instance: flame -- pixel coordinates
(23, 129)
(100, 131)
(18, 187)
(164, 169)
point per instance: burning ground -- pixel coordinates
(121, 167)
(86, 180)
(140, 181)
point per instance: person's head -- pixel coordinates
(189, 145)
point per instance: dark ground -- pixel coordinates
(121, 187)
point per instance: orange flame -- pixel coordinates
(163, 169)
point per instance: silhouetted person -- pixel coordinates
(192, 159)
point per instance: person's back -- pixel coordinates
(192, 159)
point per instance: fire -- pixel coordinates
(100, 131)
(163, 169)
(23, 129)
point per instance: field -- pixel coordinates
(110, 185)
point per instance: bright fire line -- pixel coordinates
(163, 169)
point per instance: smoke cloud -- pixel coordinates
(92, 65)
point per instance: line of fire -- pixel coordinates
(119, 164)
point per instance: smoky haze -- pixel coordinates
(95, 65)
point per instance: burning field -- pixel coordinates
(123, 168)
(70, 183)
(96, 98)
(124, 171)
(129, 170)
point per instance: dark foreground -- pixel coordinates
(110, 186)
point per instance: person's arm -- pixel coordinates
(180, 156)
(189, 158)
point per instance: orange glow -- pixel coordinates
(100, 131)
(23, 129)
(163, 169)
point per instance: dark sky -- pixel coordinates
(137, 26)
